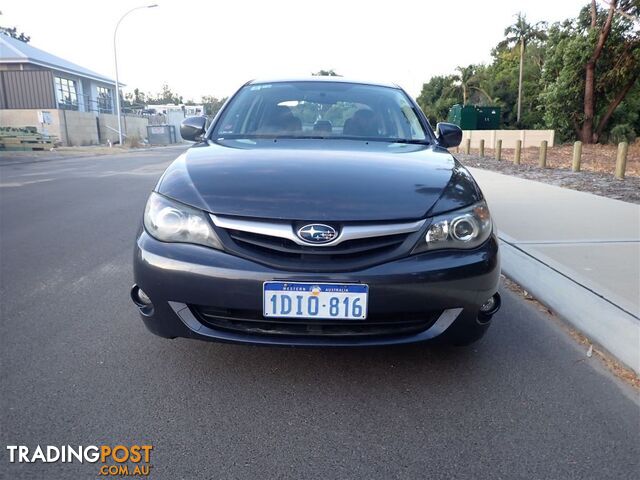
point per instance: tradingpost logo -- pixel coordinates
(116, 460)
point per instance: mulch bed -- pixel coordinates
(596, 175)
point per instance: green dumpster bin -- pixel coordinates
(471, 117)
(463, 116)
(488, 118)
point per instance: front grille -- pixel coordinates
(251, 322)
(284, 247)
(359, 245)
(349, 255)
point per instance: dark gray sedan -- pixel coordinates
(317, 212)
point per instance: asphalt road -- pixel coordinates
(79, 368)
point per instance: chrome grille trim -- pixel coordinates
(285, 229)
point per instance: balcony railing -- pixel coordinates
(85, 103)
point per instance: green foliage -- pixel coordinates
(468, 81)
(553, 86)
(500, 79)
(629, 111)
(567, 50)
(622, 133)
(310, 112)
(134, 100)
(307, 112)
(340, 112)
(523, 31)
(138, 99)
(165, 97)
(562, 80)
(326, 73)
(468, 86)
(13, 33)
(212, 105)
(438, 95)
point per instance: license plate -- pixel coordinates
(340, 301)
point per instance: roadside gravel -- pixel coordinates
(597, 183)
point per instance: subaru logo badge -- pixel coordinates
(317, 233)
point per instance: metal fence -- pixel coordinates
(88, 104)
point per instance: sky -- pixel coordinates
(213, 47)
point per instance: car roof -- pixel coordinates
(321, 78)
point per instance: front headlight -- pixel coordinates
(170, 221)
(465, 228)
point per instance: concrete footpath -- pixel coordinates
(577, 253)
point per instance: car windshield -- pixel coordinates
(320, 110)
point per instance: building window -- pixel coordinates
(105, 103)
(66, 93)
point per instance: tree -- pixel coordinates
(521, 33)
(139, 97)
(134, 100)
(500, 80)
(545, 84)
(583, 92)
(467, 80)
(438, 95)
(600, 29)
(164, 97)
(326, 73)
(212, 105)
(13, 33)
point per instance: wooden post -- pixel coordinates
(516, 158)
(621, 160)
(467, 146)
(498, 149)
(482, 147)
(543, 154)
(577, 156)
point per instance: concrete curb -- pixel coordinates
(602, 321)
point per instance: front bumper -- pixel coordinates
(447, 286)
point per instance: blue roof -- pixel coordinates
(15, 51)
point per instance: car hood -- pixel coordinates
(319, 180)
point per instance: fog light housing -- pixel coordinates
(144, 298)
(140, 298)
(488, 305)
(489, 308)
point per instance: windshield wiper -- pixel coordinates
(326, 137)
(274, 137)
(413, 141)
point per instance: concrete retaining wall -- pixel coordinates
(529, 138)
(135, 127)
(75, 128)
(81, 127)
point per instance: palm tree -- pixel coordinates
(467, 79)
(521, 33)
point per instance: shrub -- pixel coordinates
(622, 133)
(133, 141)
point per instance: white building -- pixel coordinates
(187, 110)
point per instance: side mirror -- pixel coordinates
(193, 128)
(448, 134)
